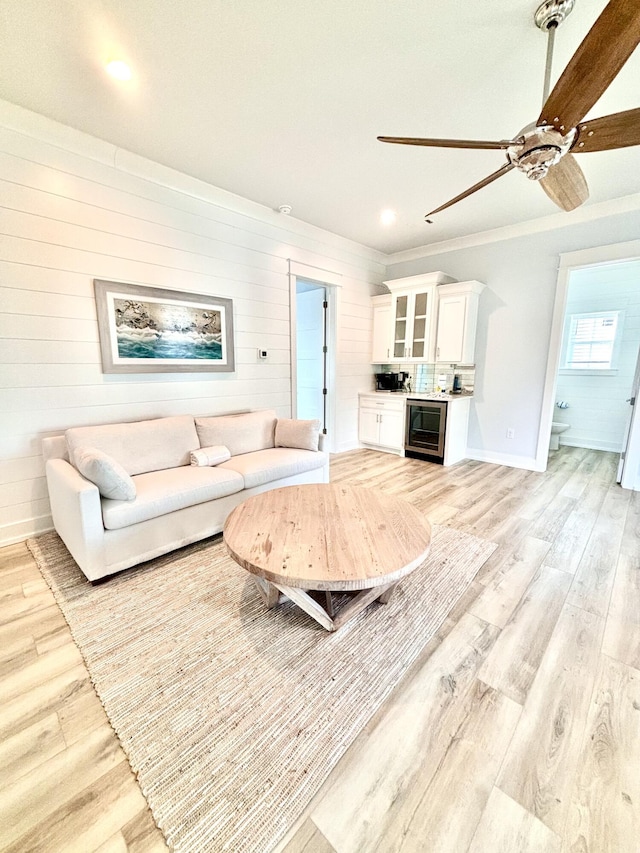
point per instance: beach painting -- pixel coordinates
(150, 329)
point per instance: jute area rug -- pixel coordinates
(232, 716)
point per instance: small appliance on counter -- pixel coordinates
(391, 381)
(457, 384)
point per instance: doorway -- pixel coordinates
(311, 352)
(594, 351)
(314, 303)
(600, 343)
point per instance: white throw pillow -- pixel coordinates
(107, 474)
(304, 435)
(208, 456)
(242, 433)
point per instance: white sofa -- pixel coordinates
(172, 501)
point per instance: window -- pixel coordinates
(591, 340)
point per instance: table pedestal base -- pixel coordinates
(270, 593)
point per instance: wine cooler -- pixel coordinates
(424, 435)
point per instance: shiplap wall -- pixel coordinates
(73, 209)
(598, 411)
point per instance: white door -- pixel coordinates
(391, 429)
(382, 344)
(369, 426)
(451, 314)
(310, 341)
(628, 466)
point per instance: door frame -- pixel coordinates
(331, 281)
(570, 261)
(629, 466)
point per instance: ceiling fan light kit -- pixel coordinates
(543, 150)
(538, 149)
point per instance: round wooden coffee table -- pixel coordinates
(327, 537)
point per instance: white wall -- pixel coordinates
(598, 410)
(74, 209)
(514, 325)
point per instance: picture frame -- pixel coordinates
(156, 330)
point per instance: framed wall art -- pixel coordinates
(153, 330)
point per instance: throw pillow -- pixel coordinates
(304, 435)
(241, 433)
(208, 456)
(107, 474)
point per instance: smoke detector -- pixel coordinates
(285, 209)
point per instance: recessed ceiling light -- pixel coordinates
(388, 217)
(119, 69)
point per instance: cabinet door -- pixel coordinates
(451, 321)
(401, 321)
(381, 349)
(421, 325)
(368, 426)
(391, 424)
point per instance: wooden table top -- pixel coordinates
(327, 537)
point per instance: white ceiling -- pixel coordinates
(280, 101)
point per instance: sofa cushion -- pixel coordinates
(210, 455)
(296, 433)
(242, 433)
(162, 492)
(107, 474)
(265, 466)
(141, 446)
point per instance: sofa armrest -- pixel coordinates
(77, 515)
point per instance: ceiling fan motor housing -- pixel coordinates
(538, 149)
(552, 13)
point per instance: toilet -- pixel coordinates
(556, 430)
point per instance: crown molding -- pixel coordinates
(601, 210)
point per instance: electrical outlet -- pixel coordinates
(511, 432)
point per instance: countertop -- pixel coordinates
(414, 395)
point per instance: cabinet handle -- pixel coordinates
(438, 352)
(388, 351)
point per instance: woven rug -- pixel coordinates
(232, 716)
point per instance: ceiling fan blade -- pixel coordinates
(565, 184)
(618, 130)
(488, 180)
(448, 143)
(603, 52)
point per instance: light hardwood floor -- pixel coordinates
(517, 730)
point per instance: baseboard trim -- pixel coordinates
(348, 446)
(510, 460)
(589, 444)
(19, 531)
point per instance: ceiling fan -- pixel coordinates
(544, 149)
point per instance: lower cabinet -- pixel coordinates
(381, 422)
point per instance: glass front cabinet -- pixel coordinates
(414, 316)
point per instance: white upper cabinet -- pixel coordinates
(381, 351)
(457, 321)
(426, 318)
(414, 316)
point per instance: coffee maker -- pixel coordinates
(391, 381)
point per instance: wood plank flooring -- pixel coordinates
(518, 729)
